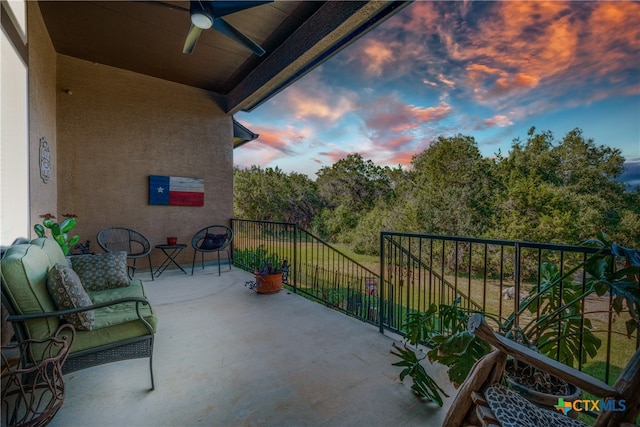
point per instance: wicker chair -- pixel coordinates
(483, 401)
(32, 393)
(135, 244)
(214, 238)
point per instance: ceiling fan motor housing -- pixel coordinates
(200, 16)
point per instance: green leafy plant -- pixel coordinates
(83, 248)
(59, 231)
(272, 264)
(261, 262)
(556, 305)
(423, 384)
(454, 347)
(419, 327)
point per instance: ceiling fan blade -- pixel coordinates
(228, 30)
(192, 38)
(222, 8)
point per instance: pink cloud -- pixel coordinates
(525, 45)
(259, 155)
(377, 55)
(335, 155)
(279, 139)
(400, 158)
(313, 102)
(399, 141)
(498, 120)
(390, 114)
(512, 59)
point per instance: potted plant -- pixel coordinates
(559, 327)
(558, 300)
(83, 248)
(59, 231)
(268, 269)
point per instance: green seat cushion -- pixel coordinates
(113, 315)
(115, 323)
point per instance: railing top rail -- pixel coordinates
(521, 244)
(264, 221)
(313, 236)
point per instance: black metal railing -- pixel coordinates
(317, 269)
(417, 270)
(493, 277)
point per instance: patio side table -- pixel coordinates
(171, 252)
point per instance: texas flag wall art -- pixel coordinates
(176, 191)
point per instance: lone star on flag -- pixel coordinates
(160, 190)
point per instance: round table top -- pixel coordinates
(177, 245)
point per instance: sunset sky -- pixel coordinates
(486, 69)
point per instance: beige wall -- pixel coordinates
(109, 129)
(42, 114)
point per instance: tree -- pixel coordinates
(270, 194)
(349, 189)
(452, 183)
(563, 192)
(353, 181)
(543, 190)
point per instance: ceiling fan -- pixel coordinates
(208, 14)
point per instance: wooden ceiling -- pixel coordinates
(147, 37)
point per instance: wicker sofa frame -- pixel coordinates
(131, 348)
(134, 348)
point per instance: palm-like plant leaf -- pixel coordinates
(420, 325)
(459, 352)
(423, 384)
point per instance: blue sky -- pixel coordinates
(490, 70)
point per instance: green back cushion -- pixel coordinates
(52, 249)
(24, 273)
(103, 271)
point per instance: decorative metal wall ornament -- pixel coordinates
(45, 160)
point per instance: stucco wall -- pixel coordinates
(115, 128)
(42, 114)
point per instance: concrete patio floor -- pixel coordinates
(226, 356)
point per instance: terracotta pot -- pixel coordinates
(269, 284)
(172, 241)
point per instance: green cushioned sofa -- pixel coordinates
(124, 324)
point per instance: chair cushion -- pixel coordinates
(67, 292)
(24, 271)
(213, 241)
(52, 249)
(513, 410)
(102, 271)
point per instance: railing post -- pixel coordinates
(516, 285)
(295, 259)
(381, 287)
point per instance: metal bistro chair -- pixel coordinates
(214, 238)
(135, 244)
